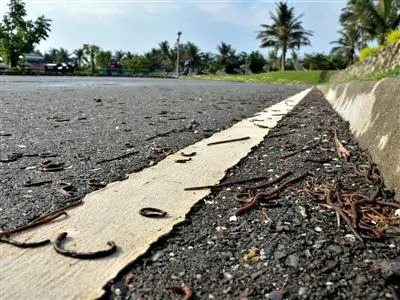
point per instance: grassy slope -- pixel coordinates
(289, 77)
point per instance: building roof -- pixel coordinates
(34, 57)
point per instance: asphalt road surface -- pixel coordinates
(62, 136)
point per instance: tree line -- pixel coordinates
(362, 21)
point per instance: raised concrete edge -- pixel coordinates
(373, 110)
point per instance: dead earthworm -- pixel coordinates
(279, 134)
(182, 161)
(298, 151)
(23, 244)
(117, 157)
(342, 214)
(188, 154)
(57, 245)
(229, 141)
(58, 211)
(262, 126)
(96, 183)
(185, 291)
(240, 181)
(271, 182)
(34, 223)
(151, 212)
(268, 195)
(28, 183)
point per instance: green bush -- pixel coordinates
(392, 37)
(369, 51)
(256, 62)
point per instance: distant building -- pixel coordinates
(35, 62)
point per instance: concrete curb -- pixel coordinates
(373, 110)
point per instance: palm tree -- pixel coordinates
(353, 16)
(166, 56)
(227, 57)
(63, 56)
(103, 58)
(192, 54)
(381, 17)
(347, 43)
(51, 56)
(208, 61)
(286, 31)
(224, 52)
(129, 55)
(78, 56)
(90, 52)
(119, 56)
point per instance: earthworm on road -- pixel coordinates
(46, 218)
(341, 213)
(57, 245)
(279, 134)
(151, 212)
(117, 157)
(28, 183)
(182, 161)
(35, 223)
(24, 245)
(229, 141)
(298, 151)
(185, 291)
(188, 154)
(195, 188)
(269, 194)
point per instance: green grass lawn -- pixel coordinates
(286, 77)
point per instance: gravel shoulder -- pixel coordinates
(289, 247)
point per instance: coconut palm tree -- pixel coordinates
(353, 16)
(51, 56)
(63, 55)
(286, 31)
(90, 52)
(380, 17)
(78, 56)
(347, 43)
(192, 55)
(166, 56)
(119, 56)
(225, 51)
(375, 18)
(129, 55)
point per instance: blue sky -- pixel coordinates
(138, 26)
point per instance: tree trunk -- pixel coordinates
(284, 49)
(12, 59)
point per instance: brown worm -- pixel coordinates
(229, 141)
(24, 245)
(57, 245)
(183, 161)
(151, 212)
(185, 291)
(34, 223)
(188, 154)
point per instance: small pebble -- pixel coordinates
(318, 229)
(350, 237)
(233, 219)
(302, 291)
